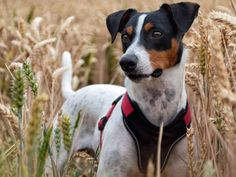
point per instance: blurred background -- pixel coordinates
(38, 31)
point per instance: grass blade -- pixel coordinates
(43, 153)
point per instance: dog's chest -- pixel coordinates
(158, 105)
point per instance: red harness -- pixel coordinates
(145, 134)
(102, 122)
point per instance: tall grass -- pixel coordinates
(33, 36)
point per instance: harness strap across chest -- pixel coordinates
(145, 134)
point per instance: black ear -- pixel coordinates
(117, 21)
(183, 14)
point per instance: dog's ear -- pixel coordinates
(183, 14)
(117, 21)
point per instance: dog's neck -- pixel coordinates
(160, 99)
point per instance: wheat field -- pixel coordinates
(33, 36)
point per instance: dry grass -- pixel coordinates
(37, 32)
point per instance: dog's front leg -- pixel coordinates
(118, 160)
(118, 157)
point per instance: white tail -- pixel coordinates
(67, 75)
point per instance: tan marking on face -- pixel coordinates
(129, 30)
(148, 26)
(164, 59)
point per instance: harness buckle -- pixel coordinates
(102, 122)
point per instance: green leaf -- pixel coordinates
(76, 124)
(43, 153)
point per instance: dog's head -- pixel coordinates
(151, 41)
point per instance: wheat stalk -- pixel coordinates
(190, 151)
(224, 18)
(66, 132)
(10, 121)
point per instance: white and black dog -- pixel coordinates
(153, 62)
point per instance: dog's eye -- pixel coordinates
(156, 34)
(125, 38)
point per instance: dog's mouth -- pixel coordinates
(137, 77)
(157, 73)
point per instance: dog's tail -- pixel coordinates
(67, 75)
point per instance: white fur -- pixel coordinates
(143, 65)
(67, 76)
(172, 78)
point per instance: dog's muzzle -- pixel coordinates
(128, 63)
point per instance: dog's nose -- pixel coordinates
(128, 63)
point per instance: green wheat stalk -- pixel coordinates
(33, 130)
(17, 92)
(27, 69)
(67, 138)
(17, 99)
(58, 140)
(42, 154)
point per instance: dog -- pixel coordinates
(153, 63)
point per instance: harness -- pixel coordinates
(145, 134)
